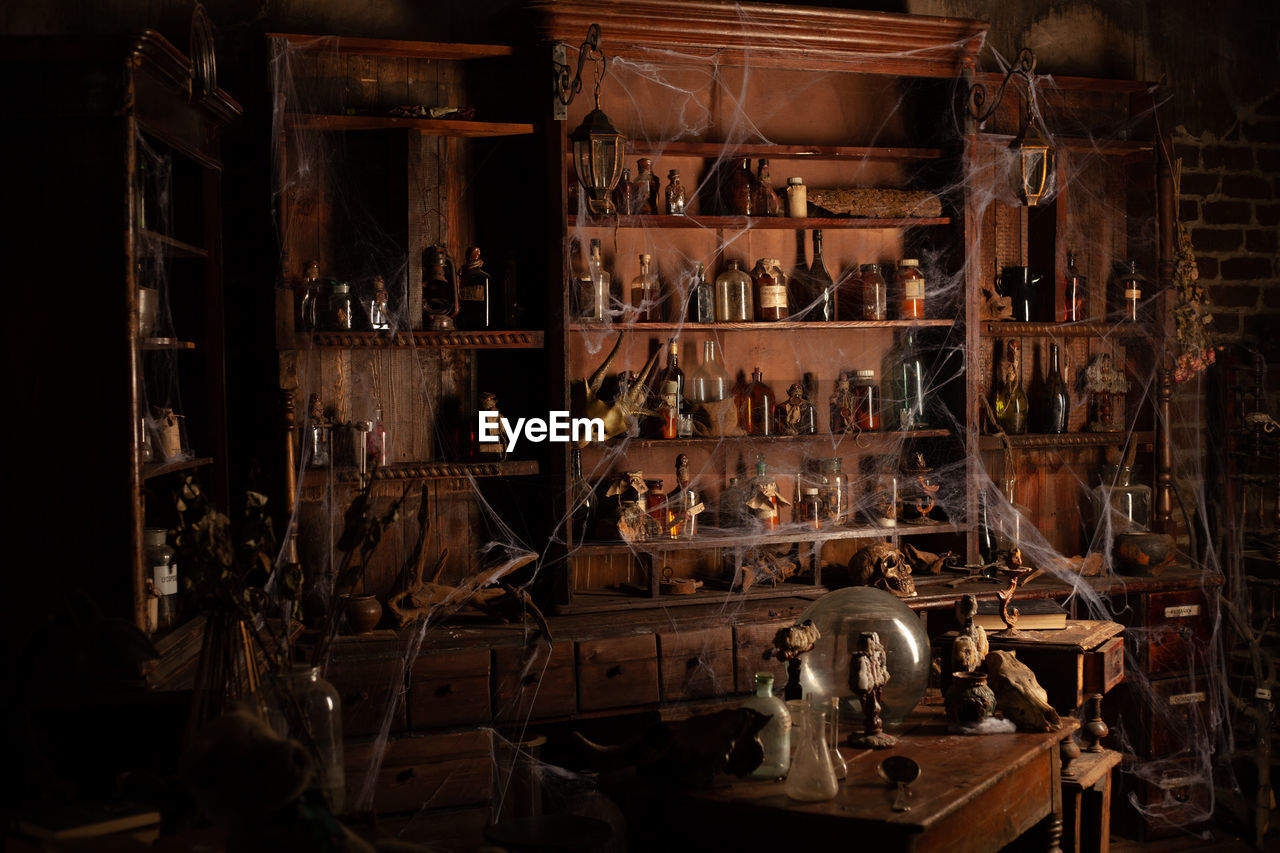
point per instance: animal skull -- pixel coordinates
(585, 401)
(881, 565)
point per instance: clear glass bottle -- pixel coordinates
(582, 509)
(809, 508)
(163, 572)
(340, 307)
(821, 287)
(875, 293)
(1075, 293)
(1131, 290)
(646, 187)
(770, 294)
(834, 490)
(1057, 396)
(775, 737)
(656, 503)
(911, 284)
(304, 707)
(379, 314)
(710, 382)
(766, 201)
(762, 496)
(674, 194)
(646, 296)
(811, 777)
(1012, 405)
(596, 305)
(866, 400)
(309, 299)
(735, 302)
(1120, 503)
(318, 434)
(731, 508)
(671, 393)
(907, 401)
(702, 298)
(477, 309)
(755, 407)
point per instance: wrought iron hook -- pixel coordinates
(567, 87)
(1024, 66)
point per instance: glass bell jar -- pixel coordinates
(840, 617)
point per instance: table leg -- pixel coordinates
(1053, 835)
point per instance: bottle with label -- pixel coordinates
(1131, 290)
(766, 202)
(674, 194)
(582, 509)
(646, 302)
(874, 293)
(379, 314)
(439, 290)
(755, 406)
(911, 282)
(710, 382)
(770, 296)
(1057, 396)
(775, 737)
(735, 302)
(476, 309)
(340, 307)
(671, 393)
(646, 187)
(1075, 293)
(163, 572)
(1012, 405)
(624, 194)
(702, 297)
(797, 198)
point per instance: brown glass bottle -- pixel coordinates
(624, 194)
(755, 406)
(765, 201)
(646, 187)
(739, 190)
(770, 295)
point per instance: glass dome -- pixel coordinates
(840, 617)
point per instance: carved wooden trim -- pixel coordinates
(455, 340)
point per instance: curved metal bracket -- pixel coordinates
(568, 84)
(1024, 66)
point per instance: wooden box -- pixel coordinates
(1104, 666)
(422, 772)
(449, 688)
(370, 688)
(617, 672)
(534, 683)
(752, 645)
(696, 664)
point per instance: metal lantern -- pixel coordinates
(1032, 170)
(597, 155)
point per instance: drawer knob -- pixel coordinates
(613, 671)
(444, 690)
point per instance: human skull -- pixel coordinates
(881, 565)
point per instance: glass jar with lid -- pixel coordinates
(1121, 505)
(911, 283)
(875, 293)
(163, 572)
(340, 307)
(809, 509)
(866, 400)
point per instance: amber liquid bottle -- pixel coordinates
(755, 406)
(646, 298)
(770, 295)
(671, 393)
(1012, 405)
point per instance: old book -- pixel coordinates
(1035, 615)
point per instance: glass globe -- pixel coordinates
(840, 617)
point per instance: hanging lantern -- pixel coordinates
(597, 144)
(1032, 169)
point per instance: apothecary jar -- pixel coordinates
(301, 705)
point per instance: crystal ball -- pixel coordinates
(840, 617)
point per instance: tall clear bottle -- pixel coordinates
(906, 402)
(303, 706)
(710, 382)
(775, 737)
(734, 300)
(596, 299)
(646, 296)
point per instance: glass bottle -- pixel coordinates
(755, 407)
(811, 777)
(674, 194)
(762, 496)
(582, 510)
(1120, 503)
(646, 187)
(734, 300)
(439, 290)
(770, 295)
(911, 282)
(766, 202)
(656, 503)
(874, 292)
(834, 490)
(797, 198)
(682, 501)
(1057, 396)
(775, 737)
(596, 305)
(906, 403)
(800, 293)
(739, 190)
(624, 194)
(476, 308)
(646, 302)
(702, 298)
(731, 507)
(809, 508)
(163, 572)
(308, 304)
(710, 382)
(318, 429)
(866, 400)
(795, 415)
(582, 297)
(304, 707)
(1075, 293)
(671, 392)
(377, 445)
(842, 406)
(340, 307)
(379, 315)
(820, 285)
(1012, 405)
(1131, 290)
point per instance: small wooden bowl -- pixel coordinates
(1142, 553)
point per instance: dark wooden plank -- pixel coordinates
(370, 690)
(394, 47)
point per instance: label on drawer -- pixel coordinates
(1182, 611)
(1262, 693)
(1187, 698)
(1171, 782)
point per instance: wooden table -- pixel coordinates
(975, 794)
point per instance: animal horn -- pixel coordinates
(647, 373)
(597, 378)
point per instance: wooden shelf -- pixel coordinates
(603, 601)
(875, 439)
(157, 344)
(390, 47)
(743, 223)
(1093, 329)
(404, 472)
(421, 339)
(170, 247)
(787, 534)
(805, 152)
(1101, 146)
(1074, 439)
(159, 469)
(780, 326)
(426, 126)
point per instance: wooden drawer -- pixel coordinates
(1175, 628)
(449, 688)
(617, 672)
(535, 684)
(752, 645)
(1169, 798)
(696, 664)
(1104, 666)
(369, 689)
(1159, 719)
(423, 772)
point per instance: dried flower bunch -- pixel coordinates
(1191, 316)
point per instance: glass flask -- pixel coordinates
(702, 298)
(477, 308)
(840, 617)
(755, 406)
(646, 294)
(377, 443)
(1057, 396)
(734, 300)
(811, 777)
(866, 400)
(308, 299)
(596, 306)
(1012, 405)
(775, 737)
(911, 282)
(710, 382)
(770, 294)
(646, 187)
(164, 577)
(833, 738)
(1075, 293)
(875, 294)
(1121, 503)
(674, 194)
(303, 706)
(766, 201)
